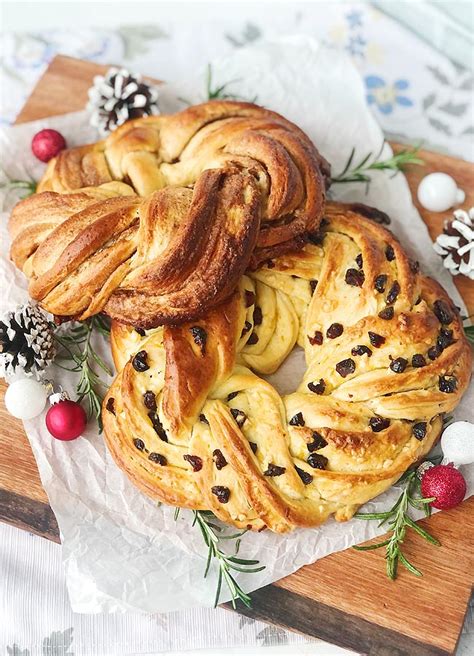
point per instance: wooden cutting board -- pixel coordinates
(344, 598)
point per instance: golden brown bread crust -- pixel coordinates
(157, 223)
(386, 356)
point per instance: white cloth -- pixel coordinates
(35, 612)
(417, 92)
(36, 618)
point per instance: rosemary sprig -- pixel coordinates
(447, 419)
(469, 332)
(218, 92)
(221, 92)
(28, 185)
(361, 172)
(84, 360)
(212, 535)
(399, 521)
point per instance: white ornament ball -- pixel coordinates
(457, 443)
(437, 192)
(25, 398)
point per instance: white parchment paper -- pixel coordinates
(121, 550)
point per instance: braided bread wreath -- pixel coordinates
(188, 417)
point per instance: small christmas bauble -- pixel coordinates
(437, 192)
(457, 443)
(66, 420)
(456, 243)
(25, 398)
(446, 484)
(47, 144)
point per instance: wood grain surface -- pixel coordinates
(344, 598)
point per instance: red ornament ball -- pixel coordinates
(446, 483)
(47, 144)
(66, 420)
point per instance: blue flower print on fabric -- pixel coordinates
(354, 18)
(386, 96)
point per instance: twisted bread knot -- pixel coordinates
(194, 426)
(158, 222)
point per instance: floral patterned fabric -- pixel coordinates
(415, 93)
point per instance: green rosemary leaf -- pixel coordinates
(210, 554)
(233, 536)
(392, 567)
(101, 363)
(382, 515)
(246, 600)
(398, 502)
(65, 344)
(363, 161)
(371, 547)
(221, 92)
(218, 590)
(407, 476)
(242, 561)
(211, 535)
(80, 328)
(176, 513)
(231, 584)
(348, 163)
(247, 570)
(28, 185)
(217, 92)
(469, 332)
(102, 324)
(447, 419)
(185, 101)
(424, 534)
(420, 503)
(354, 177)
(411, 568)
(204, 532)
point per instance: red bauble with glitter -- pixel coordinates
(47, 144)
(446, 483)
(66, 420)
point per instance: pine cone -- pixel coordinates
(456, 243)
(26, 341)
(119, 96)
